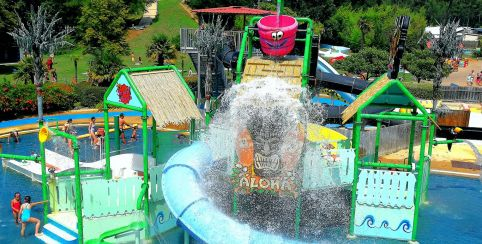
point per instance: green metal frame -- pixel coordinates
(144, 111)
(419, 167)
(248, 38)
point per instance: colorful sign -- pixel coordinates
(123, 93)
(267, 163)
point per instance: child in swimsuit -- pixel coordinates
(25, 217)
(15, 204)
(93, 138)
(134, 133)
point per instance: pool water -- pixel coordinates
(453, 215)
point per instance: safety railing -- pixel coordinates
(133, 227)
(101, 197)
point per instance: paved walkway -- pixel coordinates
(460, 77)
(149, 15)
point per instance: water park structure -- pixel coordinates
(263, 154)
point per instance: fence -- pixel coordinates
(392, 138)
(188, 37)
(465, 94)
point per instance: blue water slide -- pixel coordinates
(194, 212)
(325, 67)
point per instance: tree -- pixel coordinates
(39, 34)
(344, 27)
(209, 40)
(103, 26)
(365, 26)
(104, 66)
(421, 64)
(447, 45)
(369, 62)
(161, 49)
(25, 71)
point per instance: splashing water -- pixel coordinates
(276, 114)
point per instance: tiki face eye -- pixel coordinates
(279, 35)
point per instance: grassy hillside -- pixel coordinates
(171, 17)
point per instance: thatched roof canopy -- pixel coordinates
(384, 93)
(165, 96)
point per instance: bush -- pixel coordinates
(21, 99)
(88, 95)
(420, 90)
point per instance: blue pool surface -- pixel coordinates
(453, 214)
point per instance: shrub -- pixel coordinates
(88, 95)
(420, 90)
(21, 99)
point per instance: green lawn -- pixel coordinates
(171, 17)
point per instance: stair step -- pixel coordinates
(58, 234)
(46, 239)
(66, 221)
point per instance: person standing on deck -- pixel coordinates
(69, 130)
(93, 138)
(122, 127)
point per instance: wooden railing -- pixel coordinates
(463, 94)
(188, 37)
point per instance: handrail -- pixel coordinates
(387, 165)
(134, 226)
(141, 195)
(19, 157)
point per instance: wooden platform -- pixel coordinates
(288, 69)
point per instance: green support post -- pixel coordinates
(192, 130)
(78, 192)
(418, 189)
(235, 204)
(108, 172)
(242, 48)
(412, 140)
(280, 6)
(145, 155)
(356, 145)
(154, 139)
(432, 134)
(377, 139)
(45, 193)
(429, 152)
(298, 216)
(117, 134)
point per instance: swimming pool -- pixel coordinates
(452, 216)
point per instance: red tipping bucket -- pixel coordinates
(277, 34)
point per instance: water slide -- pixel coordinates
(194, 212)
(346, 87)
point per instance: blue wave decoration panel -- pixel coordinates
(393, 223)
(385, 204)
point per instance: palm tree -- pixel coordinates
(365, 27)
(38, 35)
(161, 49)
(25, 71)
(209, 40)
(447, 45)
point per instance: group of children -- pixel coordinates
(96, 133)
(22, 212)
(477, 77)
